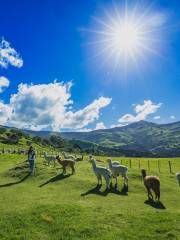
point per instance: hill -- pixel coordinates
(137, 139)
(15, 140)
(149, 139)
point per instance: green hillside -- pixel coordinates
(143, 138)
(14, 140)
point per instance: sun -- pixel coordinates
(125, 37)
(128, 35)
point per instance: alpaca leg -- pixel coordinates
(116, 182)
(64, 170)
(150, 196)
(111, 183)
(107, 179)
(126, 179)
(108, 183)
(98, 178)
(157, 193)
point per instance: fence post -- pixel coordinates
(139, 164)
(148, 166)
(130, 163)
(170, 169)
(159, 166)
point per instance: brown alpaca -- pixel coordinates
(151, 182)
(66, 163)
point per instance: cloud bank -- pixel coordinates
(48, 106)
(142, 112)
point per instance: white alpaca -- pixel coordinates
(49, 158)
(116, 163)
(68, 156)
(178, 178)
(101, 172)
(117, 170)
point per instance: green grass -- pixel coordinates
(50, 206)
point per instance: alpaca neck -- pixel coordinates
(110, 163)
(93, 164)
(143, 174)
(59, 160)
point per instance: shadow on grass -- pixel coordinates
(14, 183)
(55, 179)
(96, 190)
(152, 203)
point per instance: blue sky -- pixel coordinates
(55, 80)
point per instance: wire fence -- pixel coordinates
(39, 153)
(162, 165)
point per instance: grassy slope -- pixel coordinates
(22, 144)
(57, 210)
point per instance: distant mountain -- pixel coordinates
(137, 139)
(147, 138)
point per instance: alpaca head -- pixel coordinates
(90, 157)
(58, 158)
(143, 172)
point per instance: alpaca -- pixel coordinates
(151, 182)
(49, 158)
(77, 159)
(68, 156)
(66, 163)
(178, 178)
(101, 172)
(116, 163)
(117, 170)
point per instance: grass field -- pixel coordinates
(52, 206)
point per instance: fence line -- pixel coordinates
(136, 163)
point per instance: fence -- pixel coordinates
(161, 165)
(39, 153)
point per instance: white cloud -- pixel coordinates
(86, 115)
(157, 117)
(142, 112)
(100, 125)
(172, 117)
(5, 113)
(4, 83)
(117, 125)
(9, 56)
(46, 106)
(84, 130)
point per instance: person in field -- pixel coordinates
(32, 159)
